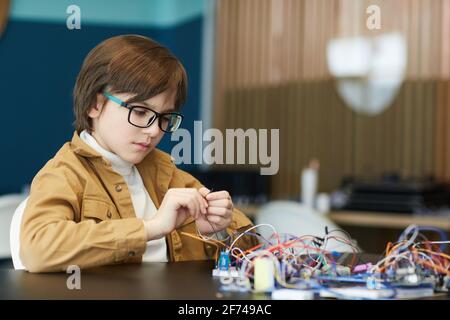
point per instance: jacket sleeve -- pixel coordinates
(240, 222)
(52, 237)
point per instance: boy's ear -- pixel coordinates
(96, 109)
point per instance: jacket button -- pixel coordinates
(109, 215)
(131, 253)
(118, 187)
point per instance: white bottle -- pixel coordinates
(323, 203)
(309, 183)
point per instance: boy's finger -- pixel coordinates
(218, 211)
(192, 206)
(224, 203)
(204, 191)
(218, 195)
(216, 219)
(202, 203)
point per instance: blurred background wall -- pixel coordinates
(40, 59)
(271, 72)
(268, 70)
(256, 64)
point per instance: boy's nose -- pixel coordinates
(153, 130)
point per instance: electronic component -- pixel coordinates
(292, 267)
(235, 284)
(336, 270)
(230, 273)
(414, 292)
(358, 292)
(264, 275)
(360, 268)
(407, 276)
(224, 260)
(292, 294)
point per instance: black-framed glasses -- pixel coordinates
(143, 117)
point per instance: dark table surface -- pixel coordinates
(181, 280)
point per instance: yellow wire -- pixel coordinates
(204, 240)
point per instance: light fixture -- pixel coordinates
(369, 71)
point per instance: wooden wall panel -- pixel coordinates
(443, 131)
(271, 72)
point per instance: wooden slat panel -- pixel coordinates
(272, 73)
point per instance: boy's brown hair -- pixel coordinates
(131, 64)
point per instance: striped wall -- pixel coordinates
(271, 72)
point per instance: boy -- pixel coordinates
(109, 196)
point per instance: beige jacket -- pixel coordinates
(79, 212)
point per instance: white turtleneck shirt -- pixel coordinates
(142, 203)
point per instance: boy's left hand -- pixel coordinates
(219, 211)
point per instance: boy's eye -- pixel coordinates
(141, 112)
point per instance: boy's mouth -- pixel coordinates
(142, 145)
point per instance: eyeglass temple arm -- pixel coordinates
(124, 104)
(116, 100)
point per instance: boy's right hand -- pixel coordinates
(178, 204)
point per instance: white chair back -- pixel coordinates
(14, 235)
(8, 204)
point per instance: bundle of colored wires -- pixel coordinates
(309, 261)
(414, 251)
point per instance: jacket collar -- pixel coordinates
(119, 165)
(80, 147)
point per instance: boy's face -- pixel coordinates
(114, 133)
